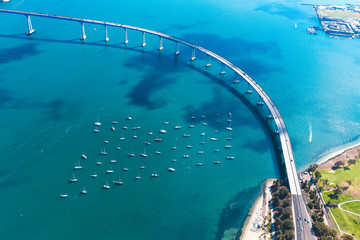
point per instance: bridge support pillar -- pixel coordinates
(143, 40)
(177, 49)
(30, 29)
(208, 61)
(106, 34)
(193, 55)
(222, 72)
(83, 35)
(126, 38)
(160, 44)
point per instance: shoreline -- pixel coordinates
(334, 152)
(257, 215)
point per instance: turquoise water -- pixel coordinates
(53, 88)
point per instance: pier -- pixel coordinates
(302, 228)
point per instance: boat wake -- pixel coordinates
(310, 130)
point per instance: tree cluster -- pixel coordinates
(322, 232)
(312, 167)
(281, 201)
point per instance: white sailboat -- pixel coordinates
(143, 154)
(154, 174)
(83, 191)
(118, 182)
(77, 166)
(73, 179)
(103, 152)
(106, 186)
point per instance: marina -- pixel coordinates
(142, 134)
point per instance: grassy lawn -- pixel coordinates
(347, 222)
(341, 175)
(352, 207)
(342, 198)
(341, 14)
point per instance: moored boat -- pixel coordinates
(119, 182)
(77, 166)
(73, 179)
(106, 186)
(83, 191)
(103, 152)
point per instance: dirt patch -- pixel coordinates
(354, 191)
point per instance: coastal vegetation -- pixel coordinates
(281, 202)
(339, 183)
(316, 211)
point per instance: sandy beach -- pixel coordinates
(255, 225)
(341, 155)
(329, 155)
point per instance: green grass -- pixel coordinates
(347, 222)
(342, 175)
(352, 207)
(342, 198)
(341, 14)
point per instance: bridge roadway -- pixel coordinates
(301, 217)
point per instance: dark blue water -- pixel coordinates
(53, 88)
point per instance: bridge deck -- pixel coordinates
(283, 133)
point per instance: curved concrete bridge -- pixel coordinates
(301, 217)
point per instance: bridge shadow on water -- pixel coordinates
(231, 216)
